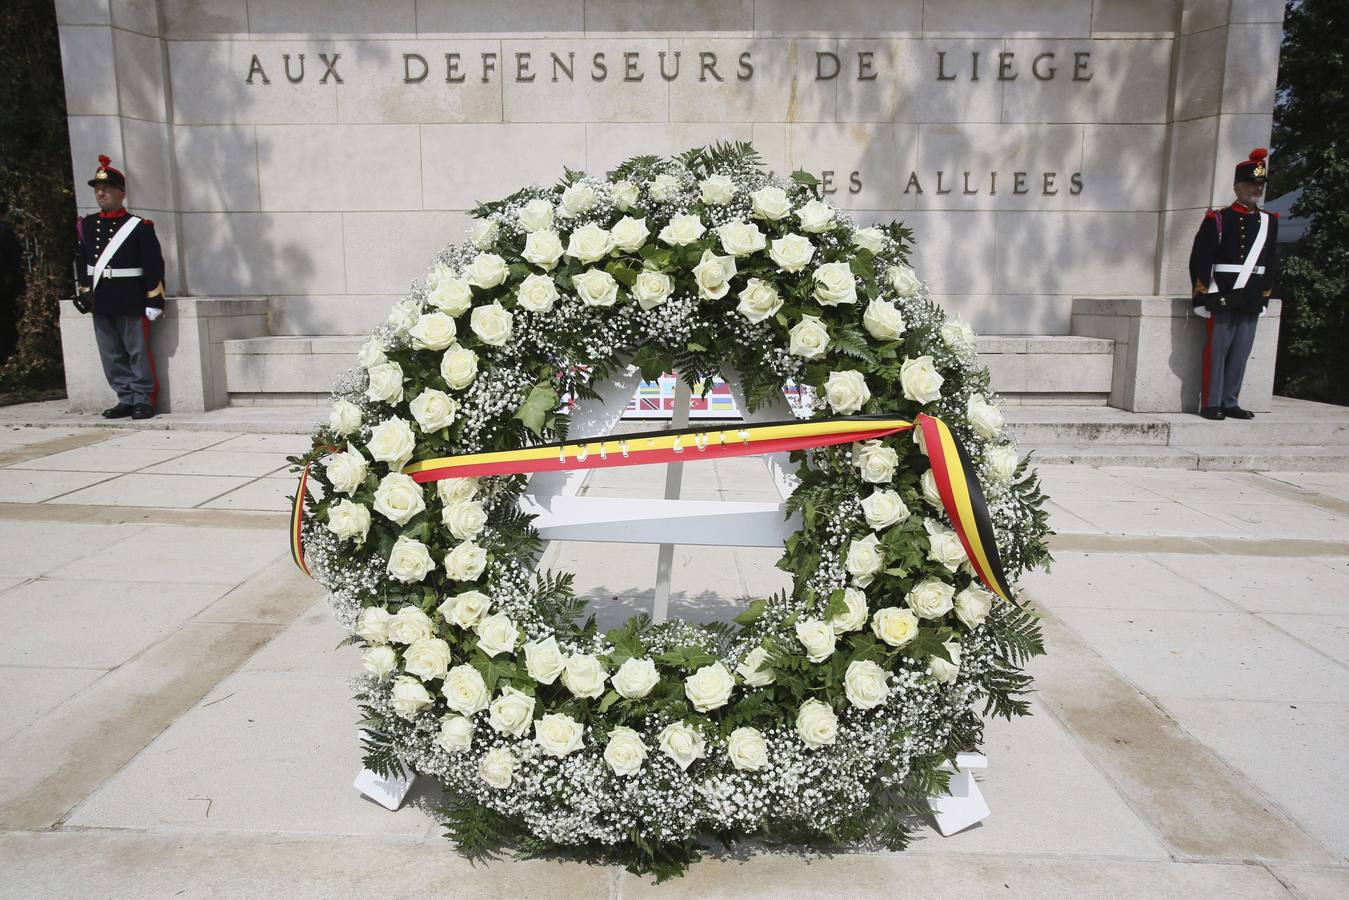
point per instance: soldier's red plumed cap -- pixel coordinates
(106, 174)
(1253, 169)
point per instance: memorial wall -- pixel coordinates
(317, 153)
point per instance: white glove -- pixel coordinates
(1264, 312)
(1202, 312)
(153, 312)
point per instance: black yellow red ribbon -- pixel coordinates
(955, 476)
(297, 509)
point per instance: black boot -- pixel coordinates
(1213, 412)
(120, 411)
(143, 411)
(1236, 412)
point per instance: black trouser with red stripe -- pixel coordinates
(1231, 335)
(124, 347)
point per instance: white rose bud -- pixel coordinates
(884, 508)
(392, 442)
(625, 751)
(713, 275)
(944, 545)
(747, 749)
(349, 520)
(459, 366)
(834, 284)
(865, 684)
(846, 391)
(769, 203)
(854, 617)
(930, 598)
(682, 744)
(635, 678)
(433, 331)
(1002, 462)
(409, 560)
(895, 626)
(920, 380)
(427, 658)
(759, 300)
(512, 712)
(945, 672)
(452, 296)
(740, 238)
(583, 675)
(590, 243)
(433, 410)
(543, 249)
(959, 336)
(652, 289)
(596, 287)
(928, 483)
(346, 471)
(373, 625)
(973, 605)
(466, 562)
(398, 498)
(465, 691)
(904, 281)
(864, 559)
(815, 216)
(404, 315)
(466, 609)
(818, 637)
(630, 234)
(482, 233)
(792, 252)
(816, 724)
(345, 418)
(497, 634)
(808, 338)
(872, 239)
(875, 461)
(497, 768)
(371, 353)
(386, 383)
(682, 229)
(456, 733)
(492, 324)
(663, 187)
(409, 696)
(410, 625)
(710, 687)
(985, 418)
(544, 660)
(750, 672)
(625, 195)
(578, 198)
(717, 190)
(558, 734)
(487, 270)
(883, 321)
(379, 661)
(536, 215)
(452, 490)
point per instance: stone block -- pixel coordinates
(210, 86)
(140, 76)
(612, 80)
(881, 155)
(167, 230)
(516, 17)
(954, 251)
(1061, 252)
(299, 170)
(660, 17)
(136, 15)
(770, 139)
(608, 144)
(1128, 81)
(1199, 76)
(776, 82)
(82, 12)
(1256, 11)
(1010, 314)
(316, 17)
(907, 87)
(377, 89)
(340, 314)
(386, 251)
(1237, 136)
(1135, 17)
(1050, 373)
(1252, 68)
(1173, 263)
(1190, 178)
(218, 166)
(192, 18)
(841, 17)
(90, 136)
(473, 163)
(232, 254)
(1122, 166)
(1050, 18)
(1199, 15)
(284, 366)
(148, 165)
(966, 154)
(88, 70)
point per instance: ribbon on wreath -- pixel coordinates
(955, 476)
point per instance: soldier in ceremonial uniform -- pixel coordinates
(1234, 267)
(121, 274)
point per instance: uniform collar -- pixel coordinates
(117, 213)
(1236, 207)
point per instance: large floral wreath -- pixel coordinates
(824, 714)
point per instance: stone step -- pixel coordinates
(286, 369)
(1205, 457)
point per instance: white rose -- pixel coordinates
(409, 625)
(398, 498)
(944, 545)
(583, 675)
(884, 508)
(456, 733)
(759, 300)
(630, 234)
(345, 471)
(465, 691)
(635, 678)
(865, 684)
(345, 418)
(834, 284)
(466, 609)
(895, 626)
(512, 712)
(652, 289)
(928, 483)
(625, 751)
(872, 239)
(682, 229)
(392, 442)
(717, 189)
(558, 734)
(883, 321)
(930, 598)
(536, 215)
(465, 562)
(596, 287)
(409, 560)
(747, 749)
(920, 380)
(846, 391)
(459, 366)
(864, 558)
(427, 658)
(465, 519)
(371, 353)
(984, 417)
(904, 280)
(409, 695)
(544, 660)
(482, 233)
(497, 767)
(497, 634)
(487, 270)
(972, 606)
(818, 637)
(815, 216)
(379, 661)
(808, 338)
(681, 743)
(740, 238)
(945, 672)
(750, 672)
(543, 249)
(492, 324)
(852, 618)
(792, 253)
(386, 383)
(958, 335)
(404, 315)
(713, 275)
(625, 194)
(816, 724)
(663, 187)
(590, 243)
(710, 687)
(769, 202)
(373, 625)
(433, 410)
(876, 461)
(577, 198)
(1002, 462)
(452, 490)
(433, 331)
(452, 296)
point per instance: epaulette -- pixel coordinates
(148, 221)
(1274, 214)
(1210, 214)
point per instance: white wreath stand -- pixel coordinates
(563, 515)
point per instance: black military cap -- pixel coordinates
(106, 174)
(1253, 169)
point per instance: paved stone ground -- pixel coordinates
(176, 722)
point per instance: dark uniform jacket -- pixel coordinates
(129, 295)
(1225, 237)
